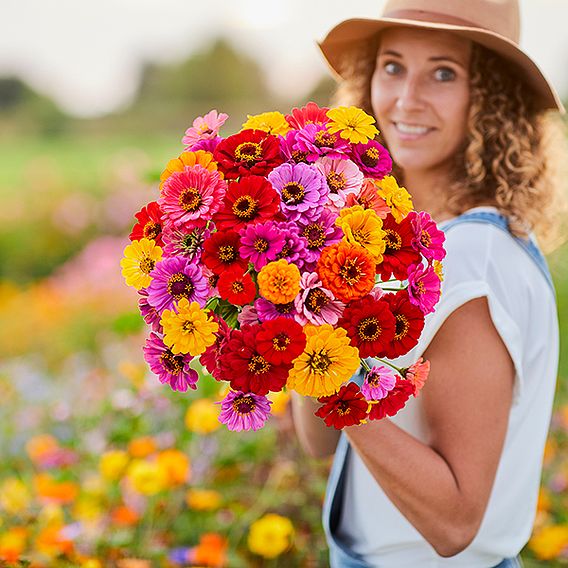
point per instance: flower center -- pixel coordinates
(319, 362)
(393, 240)
(191, 242)
(280, 342)
(285, 252)
(361, 236)
(244, 405)
(171, 363)
(420, 288)
(284, 308)
(343, 408)
(425, 239)
(316, 300)
(237, 287)
(315, 235)
(369, 329)
(260, 245)
(188, 326)
(402, 326)
(324, 139)
(351, 271)
(180, 286)
(152, 230)
(293, 193)
(190, 199)
(373, 380)
(370, 157)
(213, 279)
(258, 365)
(336, 181)
(227, 253)
(249, 152)
(147, 265)
(298, 156)
(245, 207)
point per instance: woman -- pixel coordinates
(453, 479)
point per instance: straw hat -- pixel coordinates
(494, 24)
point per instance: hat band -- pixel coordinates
(433, 17)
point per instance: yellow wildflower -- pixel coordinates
(175, 465)
(203, 499)
(352, 123)
(279, 281)
(202, 416)
(147, 477)
(15, 497)
(548, 542)
(13, 544)
(396, 197)
(271, 122)
(139, 260)
(279, 402)
(87, 508)
(113, 464)
(270, 536)
(363, 227)
(189, 329)
(199, 158)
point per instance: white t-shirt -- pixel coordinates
(482, 260)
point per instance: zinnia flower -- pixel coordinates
(368, 197)
(192, 196)
(347, 270)
(302, 189)
(373, 159)
(236, 287)
(170, 368)
(187, 243)
(279, 282)
(261, 243)
(423, 287)
(328, 361)
(273, 122)
(409, 324)
(149, 224)
(148, 312)
(362, 227)
(370, 325)
(316, 141)
(315, 304)
(139, 260)
(352, 123)
(397, 198)
(288, 147)
(250, 200)
(208, 145)
(189, 329)
(267, 310)
(319, 234)
(210, 357)
(174, 278)
(294, 248)
(428, 239)
(417, 374)
(280, 340)
(379, 381)
(188, 159)
(309, 114)
(248, 315)
(343, 177)
(345, 408)
(244, 411)
(204, 128)
(250, 152)
(394, 401)
(270, 536)
(221, 251)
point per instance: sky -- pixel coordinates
(87, 55)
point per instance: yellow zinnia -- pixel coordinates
(279, 282)
(352, 123)
(549, 542)
(363, 227)
(328, 361)
(202, 416)
(147, 477)
(189, 330)
(271, 536)
(199, 158)
(396, 197)
(113, 464)
(139, 260)
(175, 465)
(271, 122)
(203, 499)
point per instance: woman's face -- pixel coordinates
(420, 95)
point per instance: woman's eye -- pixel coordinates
(392, 68)
(445, 74)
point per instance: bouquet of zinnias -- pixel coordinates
(283, 257)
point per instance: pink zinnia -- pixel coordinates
(261, 243)
(417, 374)
(268, 311)
(319, 234)
(171, 369)
(181, 242)
(244, 411)
(248, 316)
(192, 196)
(316, 141)
(148, 312)
(204, 127)
(342, 176)
(373, 159)
(315, 304)
(423, 287)
(380, 380)
(428, 239)
(310, 114)
(288, 148)
(369, 198)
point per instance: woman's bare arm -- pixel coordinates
(443, 487)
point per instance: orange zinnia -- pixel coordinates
(199, 157)
(279, 281)
(347, 270)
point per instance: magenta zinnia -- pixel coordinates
(423, 287)
(244, 411)
(380, 380)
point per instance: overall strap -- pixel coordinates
(497, 220)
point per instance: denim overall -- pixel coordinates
(340, 555)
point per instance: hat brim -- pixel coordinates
(345, 35)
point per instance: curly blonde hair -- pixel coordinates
(513, 155)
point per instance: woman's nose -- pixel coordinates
(410, 96)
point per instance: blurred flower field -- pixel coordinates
(102, 465)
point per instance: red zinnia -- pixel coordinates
(347, 407)
(310, 114)
(250, 200)
(250, 152)
(370, 324)
(149, 224)
(236, 287)
(394, 401)
(250, 371)
(409, 324)
(281, 340)
(399, 253)
(221, 251)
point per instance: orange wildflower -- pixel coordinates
(347, 270)
(199, 157)
(52, 542)
(279, 282)
(13, 543)
(175, 465)
(211, 550)
(62, 492)
(124, 516)
(142, 447)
